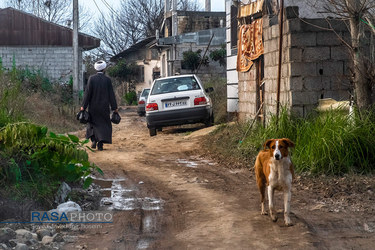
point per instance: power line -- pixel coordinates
(98, 8)
(109, 7)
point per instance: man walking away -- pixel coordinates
(99, 98)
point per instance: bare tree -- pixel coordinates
(145, 15)
(188, 5)
(115, 35)
(358, 14)
(135, 20)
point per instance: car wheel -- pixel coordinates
(152, 131)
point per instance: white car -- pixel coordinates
(142, 102)
(178, 100)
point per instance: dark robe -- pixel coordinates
(99, 97)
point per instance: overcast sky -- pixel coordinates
(216, 5)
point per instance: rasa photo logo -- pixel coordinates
(71, 217)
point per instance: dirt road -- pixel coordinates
(168, 195)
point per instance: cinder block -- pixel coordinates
(296, 83)
(285, 70)
(267, 46)
(313, 83)
(303, 69)
(331, 68)
(339, 83)
(295, 54)
(274, 45)
(293, 25)
(270, 72)
(275, 31)
(305, 98)
(267, 33)
(314, 25)
(340, 53)
(303, 39)
(313, 54)
(327, 38)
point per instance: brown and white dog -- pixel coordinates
(274, 170)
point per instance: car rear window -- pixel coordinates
(174, 85)
(145, 92)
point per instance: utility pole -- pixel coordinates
(76, 70)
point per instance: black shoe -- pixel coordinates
(100, 146)
(93, 144)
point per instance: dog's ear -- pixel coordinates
(288, 142)
(267, 144)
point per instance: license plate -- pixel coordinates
(175, 104)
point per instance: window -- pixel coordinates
(174, 85)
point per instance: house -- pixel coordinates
(182, 31)
(314, 62)
(146, 57)
(32, 42)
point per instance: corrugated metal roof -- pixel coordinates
(20, 28)
(139, 45)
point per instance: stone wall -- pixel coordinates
(315, 65)
(56, 63)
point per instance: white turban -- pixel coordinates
(100, 65)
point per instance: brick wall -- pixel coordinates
(56, 63)
(315, 65)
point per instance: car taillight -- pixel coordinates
(152, 107)
(141, 102)
(200, 101)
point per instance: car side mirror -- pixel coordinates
(209, 89)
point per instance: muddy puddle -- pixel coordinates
(144, 213)
(194, 162)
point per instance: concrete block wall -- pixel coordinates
(195, 23)
(246, 94)
(319, 63)
(56, 63)
(314, 66)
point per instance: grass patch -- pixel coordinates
(329, 143)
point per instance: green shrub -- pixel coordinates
(219, 55)
(30, 156)
(131, 98)
(191, 60)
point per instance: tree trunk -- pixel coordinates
(362, 85)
